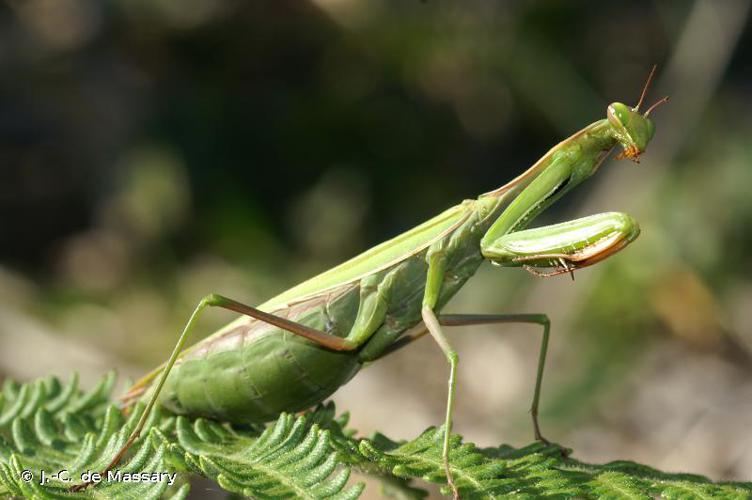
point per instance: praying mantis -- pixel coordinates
(296, 349)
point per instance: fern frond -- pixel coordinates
(12, 476)
(22, 400)
(293, 458)
(536, 471)
(472, 471)
(47, 427)
(611, 478)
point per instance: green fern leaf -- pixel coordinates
(343, 440)
(536, 471)
(22, 479)
(472, 472)
(293, 458)
(47, 427)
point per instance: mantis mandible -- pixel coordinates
(296, 349)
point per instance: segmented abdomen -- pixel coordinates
(253, 371)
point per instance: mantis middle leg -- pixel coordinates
(488, 319)
(538, 319)
(434, 324)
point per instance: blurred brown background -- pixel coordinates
(154, 151)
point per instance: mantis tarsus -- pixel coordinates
(296, 349)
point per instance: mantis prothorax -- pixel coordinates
(296, 349)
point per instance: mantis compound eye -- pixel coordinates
(619, 115)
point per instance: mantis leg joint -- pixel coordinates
(453, 357)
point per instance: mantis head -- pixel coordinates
(632, 129)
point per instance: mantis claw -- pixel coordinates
(566, 268)
(563, 450)
(555, 271)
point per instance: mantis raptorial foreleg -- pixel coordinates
(566, 246)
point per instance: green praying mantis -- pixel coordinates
(296, 349)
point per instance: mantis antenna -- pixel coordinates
(645, 88)
(658, 103)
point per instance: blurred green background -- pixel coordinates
(155, 151)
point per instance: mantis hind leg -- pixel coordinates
(213, 300)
